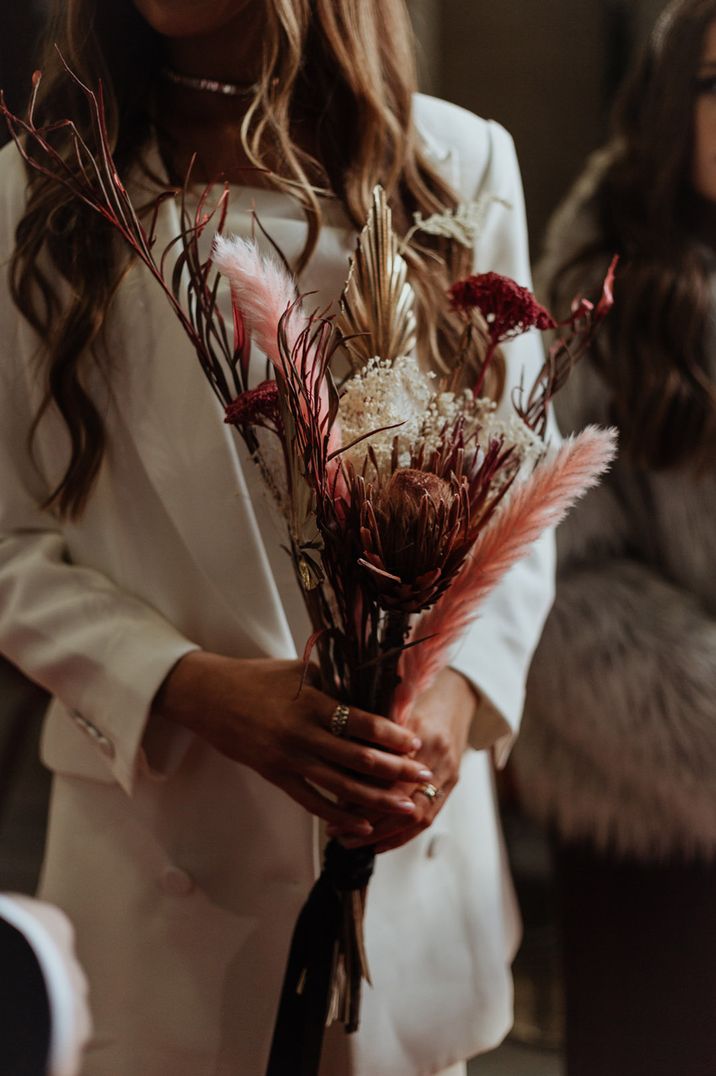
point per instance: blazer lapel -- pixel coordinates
(168, 409)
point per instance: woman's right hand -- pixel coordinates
(260, 712)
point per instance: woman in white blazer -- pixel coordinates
(143, 584)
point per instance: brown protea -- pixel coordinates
(410, 529)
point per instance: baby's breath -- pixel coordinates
(397, 401)
(384, 394)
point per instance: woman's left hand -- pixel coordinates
(441, 719)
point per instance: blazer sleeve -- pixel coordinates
(102, 652)
(496, 651)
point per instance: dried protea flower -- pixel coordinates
(406, 490)
(410, 531)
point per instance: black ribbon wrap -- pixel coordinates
(326, 954)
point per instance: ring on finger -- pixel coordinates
(339, 720)
(431, 791)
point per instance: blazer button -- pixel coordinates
(433, 846)
(106, 746)
(177, 882)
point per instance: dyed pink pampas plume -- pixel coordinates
(540, 502)
(262, 289)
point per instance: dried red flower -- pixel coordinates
(255, 407)
(508, 308)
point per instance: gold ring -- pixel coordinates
(430, 791)
(339, 720)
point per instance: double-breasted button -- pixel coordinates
(177, 882)
(106, 746)
(434, 845)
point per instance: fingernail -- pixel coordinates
(417, 743)
(405, 805)
(425, 775)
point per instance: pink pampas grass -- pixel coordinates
(540, 502)
(263, 291)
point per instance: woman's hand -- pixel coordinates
(441, 719)
(259, 713)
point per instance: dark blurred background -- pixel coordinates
(546, 69)
(22, 25)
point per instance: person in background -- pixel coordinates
(618, 750)
(44, 1017)
(142, 580)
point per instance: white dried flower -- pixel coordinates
(397, 401)
(527, 444)
(384, 394)
(462, 224)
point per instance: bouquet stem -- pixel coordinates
(395, 632)
(326, 963)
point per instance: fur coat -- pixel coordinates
(619, 735)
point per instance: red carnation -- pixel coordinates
(508, 309)
(256, 407)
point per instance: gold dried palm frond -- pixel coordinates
(377, 306)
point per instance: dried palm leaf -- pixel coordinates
(377, 309)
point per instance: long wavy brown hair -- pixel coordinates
(636, 199)
(346, 64)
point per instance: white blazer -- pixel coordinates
(183, 871)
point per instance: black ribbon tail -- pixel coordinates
(327, 944)
(305, 998)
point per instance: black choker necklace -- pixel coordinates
(209, 85)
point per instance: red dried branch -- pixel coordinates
(90, 176)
